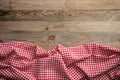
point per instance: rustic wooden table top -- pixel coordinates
(69, 22)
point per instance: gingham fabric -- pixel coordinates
(27, 61)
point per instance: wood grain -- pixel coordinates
(59, 4)
(70, 22)
(5, 5)
(76, 26)
(93, 4)
(59, 15)
(35, 4)
(59, 36)
(73, 32)
(68, 33)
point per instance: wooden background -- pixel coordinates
(70, 22)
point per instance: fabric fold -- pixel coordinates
(28, 61)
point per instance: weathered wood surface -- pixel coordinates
(60, 15)
(76, 26)
(60, 36)
(5, 5)
(64, 37)
(61, 32)
(70, 22)
(59, 4)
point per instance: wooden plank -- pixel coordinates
(68, 33)
(5, 4)
(63, 37)
(59, 36)
(84, 26)
(92, 4)
(59, 15)
(59, 4)
(38, 4)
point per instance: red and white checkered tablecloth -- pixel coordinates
(27, 61)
